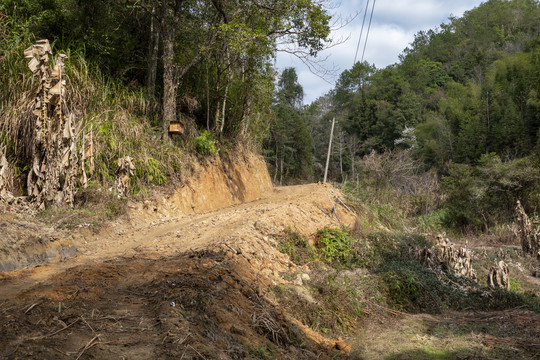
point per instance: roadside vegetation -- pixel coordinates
(454, 125)
(368, 286)
(134, 68)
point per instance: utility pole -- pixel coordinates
(329, 148)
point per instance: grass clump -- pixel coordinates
(93, 207)
(111, 121)
(297, 247)
(357, 274)
(262, 352)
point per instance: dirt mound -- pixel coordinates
(219, 183)
(203, 305)
(27, 243)
(172, 280)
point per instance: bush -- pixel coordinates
(485, 195)
(335, 245)
(403, 288)
(205, 144)
(297, 247)
(461, 204)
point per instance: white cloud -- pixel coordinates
(392, 30)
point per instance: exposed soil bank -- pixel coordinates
(218, 183)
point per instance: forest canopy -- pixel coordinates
(462, 103)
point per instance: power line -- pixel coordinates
(369, 27)
(361, 31)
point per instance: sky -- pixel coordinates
(394, 24)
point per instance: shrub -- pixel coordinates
(335, 245)
(205, 144)
(486, 195)
(403, 288)
(297, 247)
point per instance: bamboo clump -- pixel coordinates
(449, 256)
(524, 231)
(52, 178)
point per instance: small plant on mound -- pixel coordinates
(402, 288)
(297, 247)
(335, 245)
(262, 352)
(93, 207)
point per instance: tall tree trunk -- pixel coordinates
(246, 106)
(207, 99)
(487, 113)
(170, 19)
(276, 165)
(227, 84)
(341, 154)
(281, 174)
(153, 48)
(353, 152)
(246, 109)
(169, 86)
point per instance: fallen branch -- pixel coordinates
(345, 206)
(56, 332)
(31, 307)
(87, 324)
(196, 352)
(87, 346)
(334, 209)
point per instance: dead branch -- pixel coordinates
(88, 346)
(56, 332)
(31, 307)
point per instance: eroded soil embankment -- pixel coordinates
(217, 183)
(168, 282)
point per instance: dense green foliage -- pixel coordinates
(464, 100)
(135, 66)
(352, 271)
(289, 145)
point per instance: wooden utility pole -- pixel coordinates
(329, 148)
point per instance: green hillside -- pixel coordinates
(464, 100)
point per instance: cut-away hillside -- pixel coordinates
(182, 275)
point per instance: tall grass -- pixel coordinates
(120, 122)
(119, 117)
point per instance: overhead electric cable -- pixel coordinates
(369, 27)
(361, 31)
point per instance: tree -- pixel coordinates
(291, 142)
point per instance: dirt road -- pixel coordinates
(160, 287)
